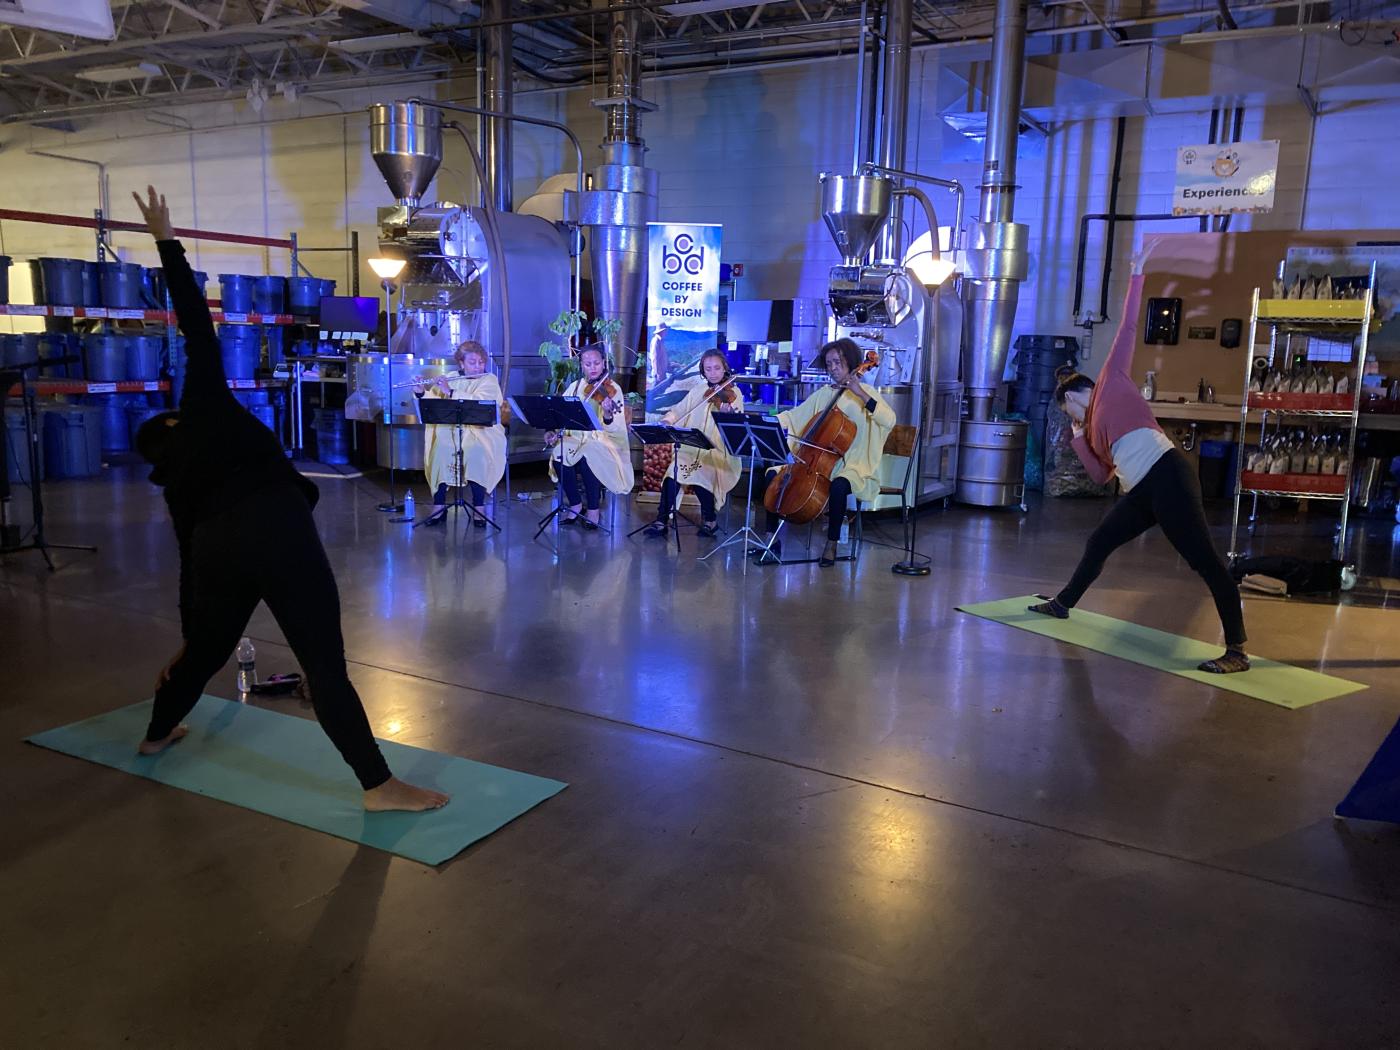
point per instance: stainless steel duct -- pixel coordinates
(1004, 111)
(497, 91)
(623, 198)
(895, 106)
(405, 139)
(996, 260)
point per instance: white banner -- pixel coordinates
(682, 305)
(1225, 178)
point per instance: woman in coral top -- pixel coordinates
(1115, 433)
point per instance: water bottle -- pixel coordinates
(408, 505)
(247, 671)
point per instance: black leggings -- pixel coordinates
(835, 506)
(592, 489)
(1170, 496)
(477, 491)
(266, 548)
(669, 490)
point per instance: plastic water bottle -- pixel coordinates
(408, 505)
(247, 671)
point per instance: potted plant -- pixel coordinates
(563, 356)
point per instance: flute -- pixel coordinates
(433, 379)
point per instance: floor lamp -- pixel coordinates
(386, 270)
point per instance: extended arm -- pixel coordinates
(1120, 356)
(204, 372)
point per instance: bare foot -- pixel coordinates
(395, 794)
(155, 747)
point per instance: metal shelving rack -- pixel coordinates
(1312, 317)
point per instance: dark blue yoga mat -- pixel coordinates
(285, 766)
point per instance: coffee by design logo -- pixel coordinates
(683, 256)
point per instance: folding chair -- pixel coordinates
(903, 441)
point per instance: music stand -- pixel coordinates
(762, 440)
(665, 434)
(20, 372)
(555, 413)
(441, 411)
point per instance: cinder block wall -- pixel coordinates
(741, 148)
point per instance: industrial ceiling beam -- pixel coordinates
(117, 47)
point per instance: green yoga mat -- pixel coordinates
(285, 766)
(1274, 683)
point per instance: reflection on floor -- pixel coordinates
(808, 807)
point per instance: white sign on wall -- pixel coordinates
(1225, 178)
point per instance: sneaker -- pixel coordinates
(655, 530)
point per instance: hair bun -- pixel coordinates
(1064, 372)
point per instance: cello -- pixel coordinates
(801, 490)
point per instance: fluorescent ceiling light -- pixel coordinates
(1254, 32)
(85, 18)
(706, 7)
(361, 44)
(112, 74)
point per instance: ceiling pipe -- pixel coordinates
(896, 117)
(494, 133)
(996, 257)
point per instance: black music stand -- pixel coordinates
(665, 434)
(557, 414)
(8, 377)
(762, 440)
(442, 411)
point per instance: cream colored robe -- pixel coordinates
(713, 469)
(608, 451)
(483, 448)
(861, 464)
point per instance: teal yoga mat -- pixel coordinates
(285, 767)
(1274, 683)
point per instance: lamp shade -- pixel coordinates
(386, 269)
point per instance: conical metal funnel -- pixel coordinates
(855, 207)
(406, 141)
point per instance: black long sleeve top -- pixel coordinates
(220, 452)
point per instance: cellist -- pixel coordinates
(858, 473)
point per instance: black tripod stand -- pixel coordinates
(458, 414)
(662, 434)
(555, 414)
(9, 533)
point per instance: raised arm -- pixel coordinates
(204, 373)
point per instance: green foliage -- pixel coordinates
(563, 362)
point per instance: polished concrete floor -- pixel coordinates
(807, 808)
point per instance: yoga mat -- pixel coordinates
(1274, 683)
(1376, 793)
(285, 766)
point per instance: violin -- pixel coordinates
(722, 393)
(802, 489)
(604, 394)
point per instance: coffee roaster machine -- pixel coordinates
(915, 329)
(446, 293)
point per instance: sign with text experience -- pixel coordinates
(682, 303)
(1225, 178)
